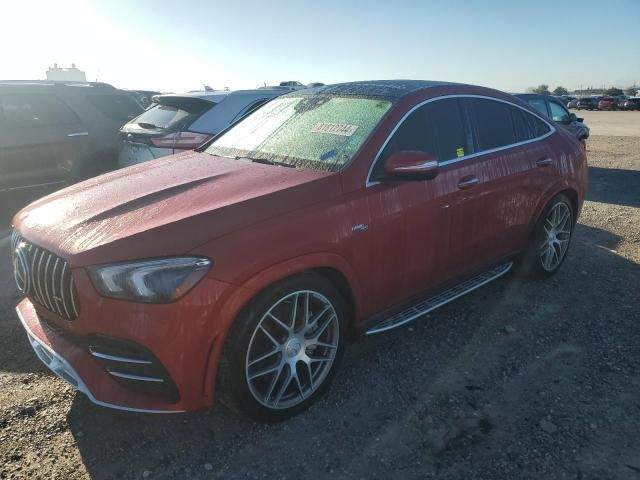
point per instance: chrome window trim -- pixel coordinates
(552, 130)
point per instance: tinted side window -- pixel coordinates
(527, 127)
(538, 104)
(30, 110)
(435, 128)
(444, 118)
(490, 122)
(116, 107)
(558, 113)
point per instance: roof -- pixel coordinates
(390, 89)
(218, 95)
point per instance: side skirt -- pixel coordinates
(425, 305)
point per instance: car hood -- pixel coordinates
(167, 206)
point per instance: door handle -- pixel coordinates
(468, 182)
(543, 162)
(78, 134)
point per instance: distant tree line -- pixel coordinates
(543, 89)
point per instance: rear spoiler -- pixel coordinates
(189, 104)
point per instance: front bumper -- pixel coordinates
(134, 356)
(74, 365)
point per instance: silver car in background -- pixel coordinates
(186, 121)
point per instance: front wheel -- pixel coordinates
(550, 243)
(284, 349)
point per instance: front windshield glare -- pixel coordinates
(318, 132)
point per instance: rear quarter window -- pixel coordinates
(527, 126)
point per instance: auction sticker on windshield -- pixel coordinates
(341, 129)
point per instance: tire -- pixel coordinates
(550, 241)
(257, 364)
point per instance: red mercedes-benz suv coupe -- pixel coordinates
(244, 267)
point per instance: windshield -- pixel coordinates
(318, 132)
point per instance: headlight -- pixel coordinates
(150, 281)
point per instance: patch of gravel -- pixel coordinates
(520, 379)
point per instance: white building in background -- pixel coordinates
(72, 74)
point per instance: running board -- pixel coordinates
(431, 303)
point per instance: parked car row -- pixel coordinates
(605, 103)
(57, 133)
(242, 269)
(54, 134)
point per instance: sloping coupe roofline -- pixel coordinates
(388, 89)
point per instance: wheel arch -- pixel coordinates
(330, 266)
(573, 198)
(564, 189)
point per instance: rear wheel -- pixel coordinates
(285, 348)
(550, 243)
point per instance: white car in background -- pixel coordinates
(186, 121)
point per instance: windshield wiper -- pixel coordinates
(265, 161)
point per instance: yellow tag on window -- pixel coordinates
(460, 152)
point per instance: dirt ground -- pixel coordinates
(519, 380)
(619, 124)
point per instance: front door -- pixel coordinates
(420, 228)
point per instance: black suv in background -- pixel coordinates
(554, 109)
(56, 133)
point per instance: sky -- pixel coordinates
(179, 46)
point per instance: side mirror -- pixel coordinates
(411, 165)
(572, 117)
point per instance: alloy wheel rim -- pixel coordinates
(292, 349)
(557, 228)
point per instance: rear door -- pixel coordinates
(516, 168)
(37, 140)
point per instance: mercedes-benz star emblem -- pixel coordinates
(21, 272)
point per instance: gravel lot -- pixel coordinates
(611, 123)
(520, 379)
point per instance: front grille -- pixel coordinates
(44, 277)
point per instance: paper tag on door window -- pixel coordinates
(460, 152)
(342, 129)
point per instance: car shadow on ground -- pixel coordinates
(448, 394)
(614, 185)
